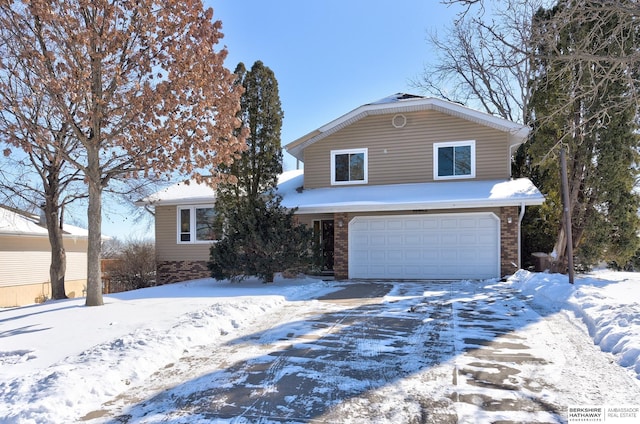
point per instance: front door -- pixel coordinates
(327, 245)
(323, 233)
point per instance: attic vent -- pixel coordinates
(399, 121)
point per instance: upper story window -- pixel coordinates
(454, 160)
(349, 166)
(196, 224)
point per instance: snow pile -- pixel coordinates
(607, 302)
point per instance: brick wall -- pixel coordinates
(341, 246)
(509, 240)
(176, 271)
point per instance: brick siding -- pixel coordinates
(176, 271)
(509, 240)
(341, 246)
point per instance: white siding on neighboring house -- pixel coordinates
(23, 268)
(25, 258)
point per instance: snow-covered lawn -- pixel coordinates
(61, 360)
(607, 302)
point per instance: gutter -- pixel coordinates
(377, 207)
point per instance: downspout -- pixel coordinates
(520, 217)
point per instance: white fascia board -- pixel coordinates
(468, 204)
(175, 202)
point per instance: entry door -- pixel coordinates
(327, 245)
(323, 233)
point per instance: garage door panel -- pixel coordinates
(394, 239)
(413, 224)
(413, 240)
(449, 223)
(449, 239)
(377, 240)
(469, 238)
(425, 246)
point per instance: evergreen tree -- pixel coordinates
(256, 169)
(602, 148)
(260, 236)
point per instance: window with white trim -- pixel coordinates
(452, 160)
(196, 224)
(349, 166)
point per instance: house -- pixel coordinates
(408, 187)
(25, 256)
(411, 187)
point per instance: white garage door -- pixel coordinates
(442, 246)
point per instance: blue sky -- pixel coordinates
(329, 57)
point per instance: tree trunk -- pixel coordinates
(94, 215)
(58, 266)
(51, 211)
(560, 250)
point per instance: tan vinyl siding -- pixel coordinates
(167, 247)
(405, 155)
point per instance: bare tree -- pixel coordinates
(140, 86)
(39, 176)
(484, 59)
(585, 55)
(586, 100)
(608, 53)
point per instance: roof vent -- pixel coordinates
(399, 121)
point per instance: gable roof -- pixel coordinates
(15, 222)
(405, 103)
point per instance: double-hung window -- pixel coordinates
(453, 160)
(196, 224)
(349, 166)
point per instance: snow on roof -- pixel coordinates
(13, 222)
(405, 103)
(185, 192)
(433, 195)
(191, 192)
(397, 197)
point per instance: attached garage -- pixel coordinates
(434, 246)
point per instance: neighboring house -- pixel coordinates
(25, 256)
(408, 187)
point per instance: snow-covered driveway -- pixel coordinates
(385, 353)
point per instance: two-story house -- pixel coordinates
(408, 187)
(411, 187)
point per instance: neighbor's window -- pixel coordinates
(349, 166)
(454, 160)
(196, 224)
